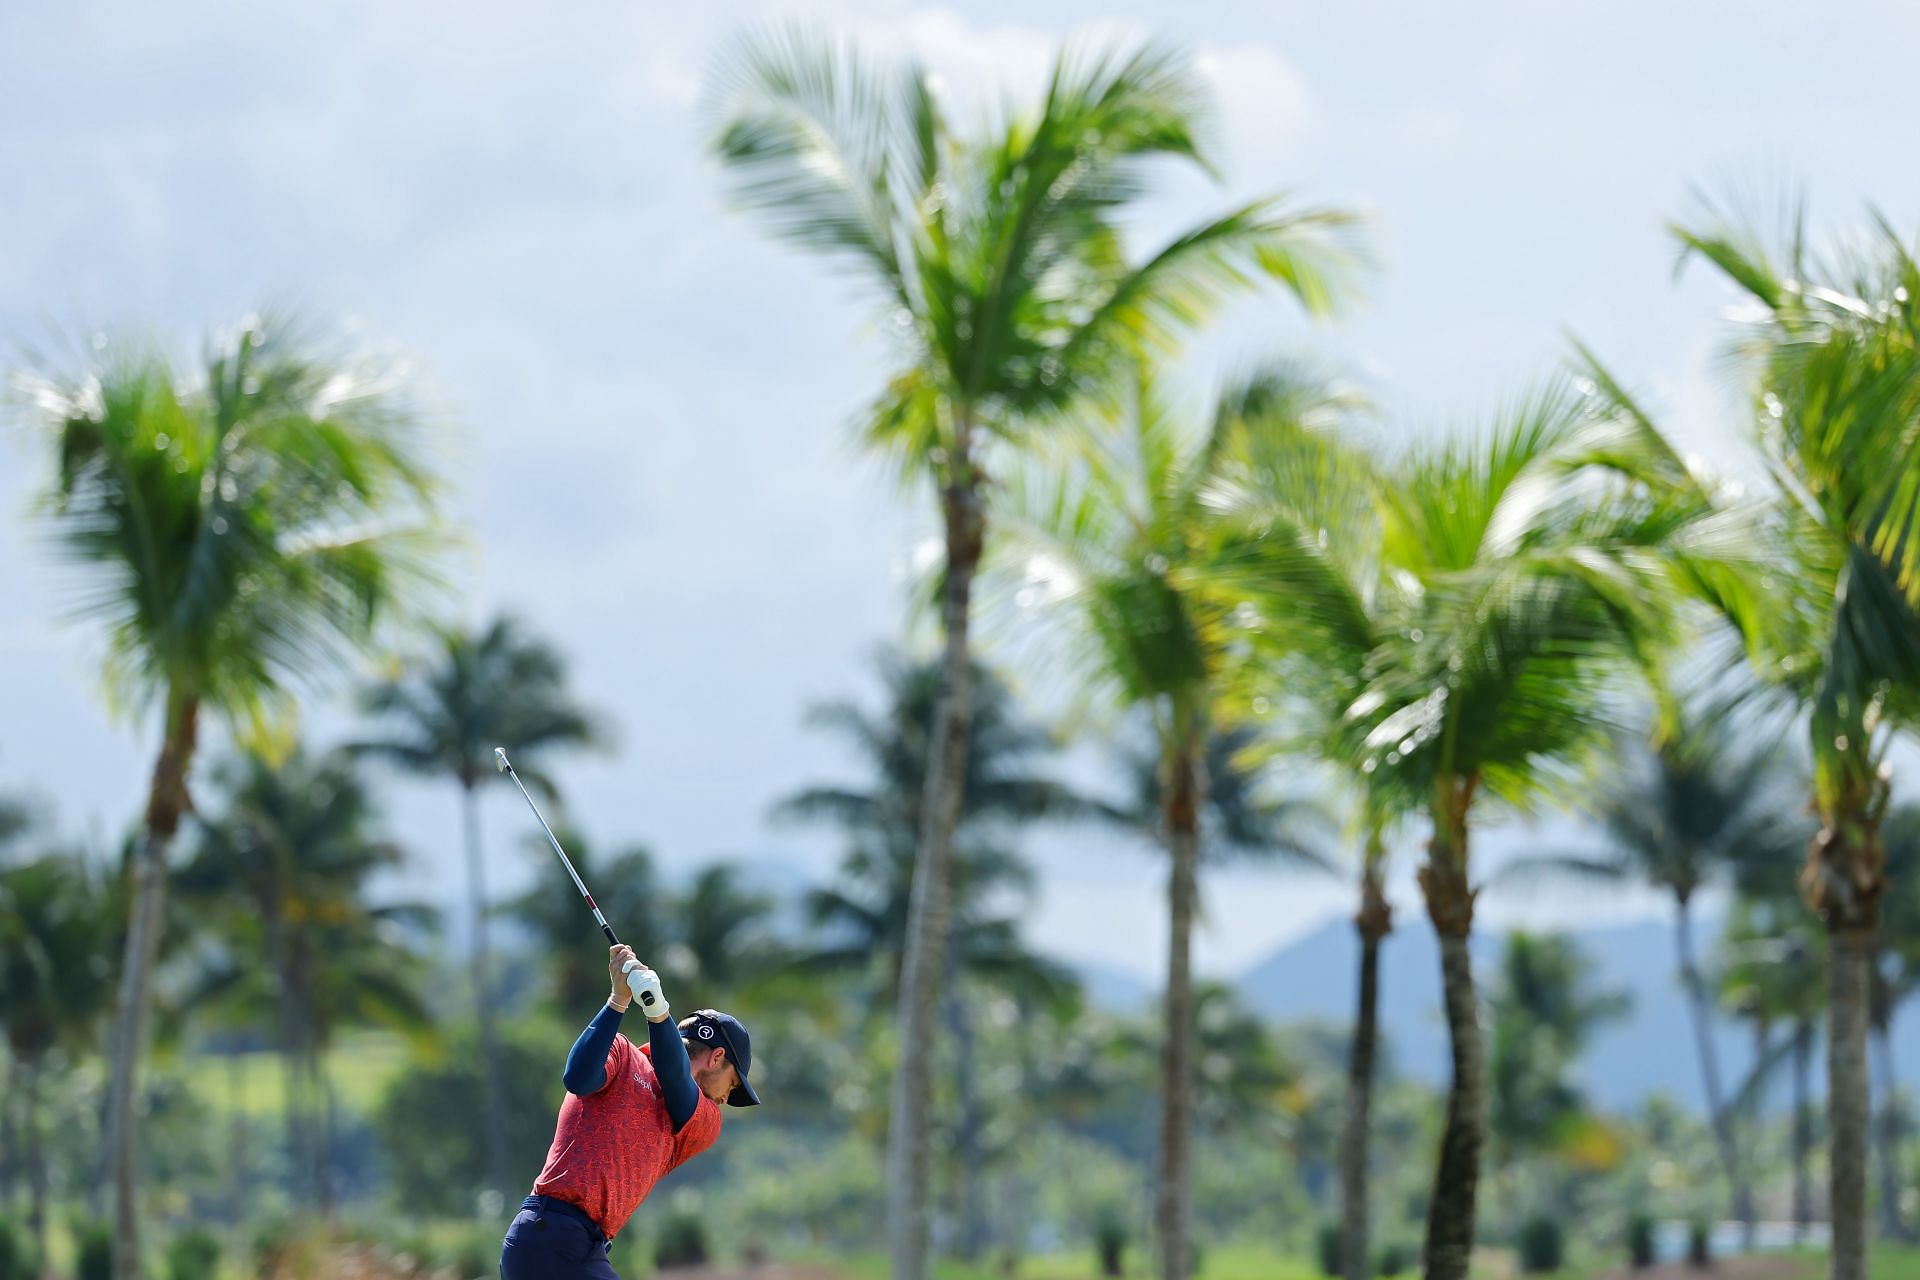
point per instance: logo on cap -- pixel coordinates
(705, 1032)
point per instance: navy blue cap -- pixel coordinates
(707, 1028)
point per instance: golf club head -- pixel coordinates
(500, 759)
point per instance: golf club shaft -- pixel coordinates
(500, 754)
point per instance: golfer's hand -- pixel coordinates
(630, 975)
(617, 959)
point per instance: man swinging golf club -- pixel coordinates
(632, 1114)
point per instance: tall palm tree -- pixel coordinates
(1525, 570)
(1294, 476)
(1896, 978)
(1680, 816)
(1113, 542)
(1770, 963)
(866, 915)
(284, 864)
(1544, 1011)
(721, 938)
(1833, 348)
(234, 528)
(442, 716)
(56, 981)
(1000, 261)
(629, 891)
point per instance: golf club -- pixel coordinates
(506, 767)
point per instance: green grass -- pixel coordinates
(359, 1069)
(1235, 1262)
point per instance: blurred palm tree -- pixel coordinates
(236, 527)
(1833, 348)
(1523, 573)
(57, 914)
(1294, 472)
(442, 715)
(1002, 267)
(722, 940)
(1680, 816)
(283, 867)
(1771, 961)
(1112, 543)
(564, 938)
(866, 916)
(1544, 1012)
(1896, 977)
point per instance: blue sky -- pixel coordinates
(646, 403)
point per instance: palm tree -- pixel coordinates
(236, 528)
(442, 716)
(866, 915)
(1001, 265)
(1292, 477)
(1679, 816)
(1523, 571)
(55, 985)
(284, 864)
(1770, 963)
(1114, 542)
(1896, 977)
(1544, 1012)
(1833, 348)
(629, 891)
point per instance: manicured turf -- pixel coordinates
(359, 1071)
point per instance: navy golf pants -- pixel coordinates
(553, 1240)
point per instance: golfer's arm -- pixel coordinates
(675, 1072)
(586, 1070)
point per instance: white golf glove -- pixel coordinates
(644, 983)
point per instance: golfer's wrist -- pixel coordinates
(616, 1004)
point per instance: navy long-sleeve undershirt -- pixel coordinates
(586, 1069)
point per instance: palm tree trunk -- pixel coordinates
(1848, 958)
(494, 1124)
(1802, 1129)
(1185, 792)
(166, 802)
(928, 917)
(1697, 1005)
(36, 1159)
(299, 1148)
(10, 1157)
(239, 1194)
(1887, 1133)
(1373, 923)
(290, 1036)
(973, 1230)
(323, 1149)
(1450, 898)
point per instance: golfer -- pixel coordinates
(632, 1114)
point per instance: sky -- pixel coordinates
(645, 403)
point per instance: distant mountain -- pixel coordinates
(1650, 1051)
(1110, 990)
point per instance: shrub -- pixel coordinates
(1394, 1259)
(1327, 1246)
(1699, 1246)
(193, 1255)
(478, 1257)
(95, 1258)
(272, 1243)
(14, 1264)
(1543, 1246)
(1110, 1241)
(682, 1242)
(1640, 1241)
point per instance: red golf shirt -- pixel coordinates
(612, 1146)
